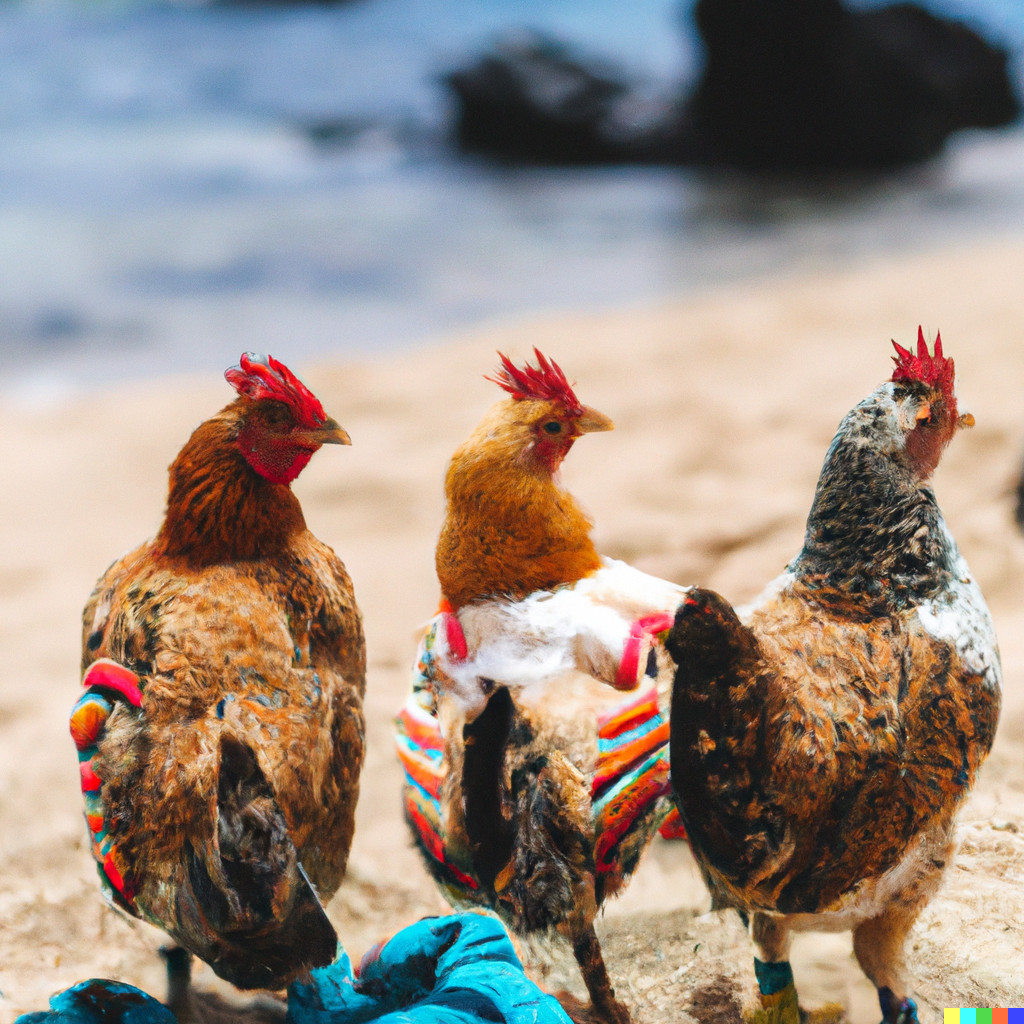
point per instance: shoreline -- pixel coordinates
(322, 268)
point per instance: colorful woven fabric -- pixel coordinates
(630, 794)
(106, 682)
(631, 797)
(421, 751)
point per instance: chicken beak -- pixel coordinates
(327, 433)
(592, 421)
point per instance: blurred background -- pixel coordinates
(181, 181)
(713, 213)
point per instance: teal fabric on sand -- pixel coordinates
(96, 1001)
(460, 969)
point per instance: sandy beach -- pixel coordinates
(723, 406)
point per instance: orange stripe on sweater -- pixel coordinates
(620, 814)
(421, 733)
(422, 771)
(616, 762)
(87, 721)
(623, 717)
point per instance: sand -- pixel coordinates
(724, 406)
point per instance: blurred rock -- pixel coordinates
(788, 85)
(807, 84)
(532, 101)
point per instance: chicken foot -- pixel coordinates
(777, 991)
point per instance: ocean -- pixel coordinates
(181, 182)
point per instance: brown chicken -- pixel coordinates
(823, 739)
(221, 733)
(548, 783)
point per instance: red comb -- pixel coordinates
(934, 370)
(543, 383)
(259, 377)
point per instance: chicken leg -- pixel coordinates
(772, 936)
(587, 951)
(878, 945)
(179, 982)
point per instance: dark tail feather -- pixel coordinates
(715, 747)
(483, 771)
(250, 910)
(532, 838)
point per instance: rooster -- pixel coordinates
(823, 739)
(533, 784)
(221, 733)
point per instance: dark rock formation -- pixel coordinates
(788, 85)
(807, 84)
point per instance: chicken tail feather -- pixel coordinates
(249, 908)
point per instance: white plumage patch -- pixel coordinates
(582, 627)
(959, 616)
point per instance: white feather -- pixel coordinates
(958, 615)
(581, 627)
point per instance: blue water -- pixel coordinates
(162, 204)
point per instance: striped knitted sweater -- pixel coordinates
(616, 740)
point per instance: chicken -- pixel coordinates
(533, 783)
(823, 739)
(221, 733)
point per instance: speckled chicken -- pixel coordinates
(221, 733)
(823, 739)
(534, 782)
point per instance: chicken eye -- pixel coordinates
(553, 427)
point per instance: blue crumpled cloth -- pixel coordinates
(95, 1001)
(460, 969)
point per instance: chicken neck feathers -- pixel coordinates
(218, 509)
(875, 536)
